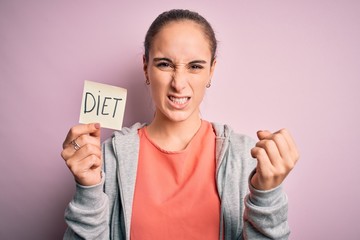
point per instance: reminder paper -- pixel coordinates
(104, 104)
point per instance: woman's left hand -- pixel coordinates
(277, 155)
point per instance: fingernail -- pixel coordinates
(97, 125)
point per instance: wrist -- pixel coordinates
(89, 181)
(263, 184)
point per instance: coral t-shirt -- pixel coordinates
(175, 193)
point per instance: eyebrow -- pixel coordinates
(168, 60)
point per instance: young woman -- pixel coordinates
(179, 177)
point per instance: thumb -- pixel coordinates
(262, 134)
(96, 132)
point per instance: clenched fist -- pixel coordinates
(277, 155)
(82, 153)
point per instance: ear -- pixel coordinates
(212, 68)
(145, 65)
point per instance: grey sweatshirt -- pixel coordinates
(104, 211)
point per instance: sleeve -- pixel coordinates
(87, 215)
(265, 214)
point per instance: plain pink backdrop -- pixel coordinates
(293, 64)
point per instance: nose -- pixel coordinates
(179, 80)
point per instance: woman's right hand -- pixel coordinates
(82, 153)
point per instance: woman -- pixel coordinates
(179, 177)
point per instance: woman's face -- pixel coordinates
(179, 68)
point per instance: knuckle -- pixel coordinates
(73, 131)
(282, 172)
(93, 158)
(76, 171)
(89, 126)
(63, 155)
(269, 144)
(98, 142)
(278, 137)
(88, 147)
(283, 131)
(291, 165)
(69, 165)
(261, 152)
(64, 144)
(254, 150)
(80, 176)
(82, 138)
(97, 161)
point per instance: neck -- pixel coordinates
(173, 135)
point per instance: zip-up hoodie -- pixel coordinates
(103, 211)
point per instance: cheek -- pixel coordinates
(199, 89)
(200, 85)
(201, 81)
(160, 77)
(158, 84)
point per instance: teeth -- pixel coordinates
(179, 100)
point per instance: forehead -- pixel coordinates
(181, 40)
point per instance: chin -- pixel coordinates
(177, 116)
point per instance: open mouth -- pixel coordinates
(178, 100)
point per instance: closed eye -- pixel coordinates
(163, 65)
(196, 66)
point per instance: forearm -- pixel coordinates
(87, 215)
(265, 214)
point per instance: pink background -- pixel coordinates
(293, 64)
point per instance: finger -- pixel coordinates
(271, 150)
(82, 153)
(82, 168)
(91, 142)
(288, 160)
(97, 132)
(90, 162)
(78, 130)
(264, 165)
(262, 134)
(81, 141)
(67, 153)
(291, 143)
(87, 139)
(88, 149)
(281, 144)
(76, 144)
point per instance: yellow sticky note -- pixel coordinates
(104, 104)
